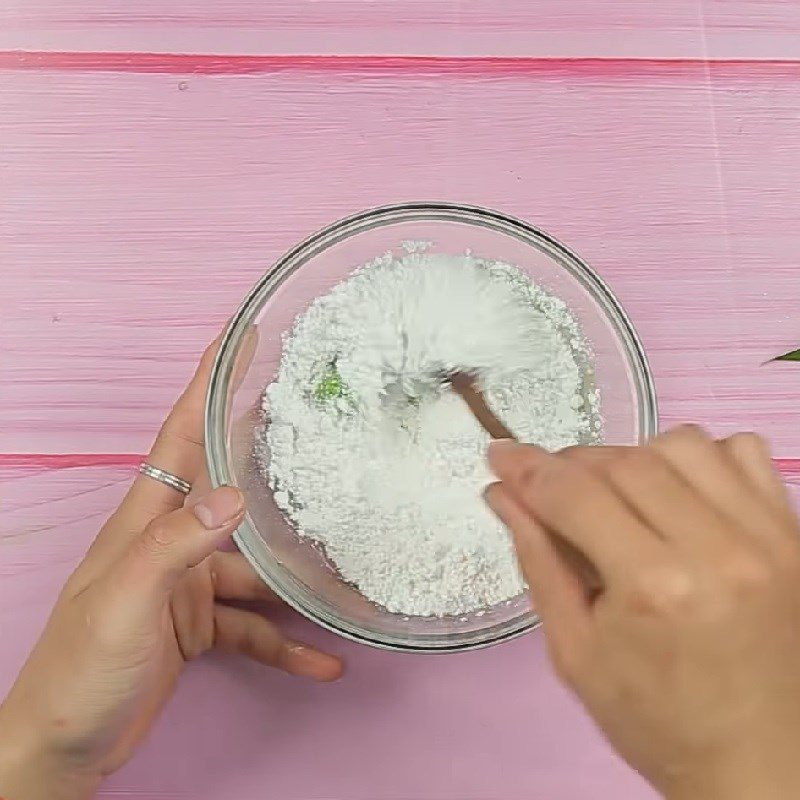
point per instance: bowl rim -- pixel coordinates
(381, 216)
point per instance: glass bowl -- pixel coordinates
(248, 360)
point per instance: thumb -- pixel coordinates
(174, 542)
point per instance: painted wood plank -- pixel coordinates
(736, 28)
(540, 28)
(140, 208)
(49, 516)
(234, 729)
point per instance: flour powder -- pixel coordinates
(371, 455)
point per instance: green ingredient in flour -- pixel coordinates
(331, 386)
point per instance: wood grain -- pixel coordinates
(234, 728)
(677, 187)
(543, 29)
(143, 191)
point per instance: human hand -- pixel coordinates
(141, 605)
(688, 656)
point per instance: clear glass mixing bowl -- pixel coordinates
(250, 353)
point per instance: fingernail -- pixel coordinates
(218, 507)
(304, 661)
(506, 457)
(503, 445)
(496, 444)
(489, 489)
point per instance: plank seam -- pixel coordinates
(210, 64)
(47, 461)
(789, 467)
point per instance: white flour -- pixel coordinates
(370, 456)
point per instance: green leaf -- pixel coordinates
(794, 355)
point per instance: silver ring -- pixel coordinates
(167, 478)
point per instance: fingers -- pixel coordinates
(178, 448)
(248, 633)
(234, 579)
(557, 589)
(747, 452)
(719, 480)
(570, 499)
(244, 356)
(684, 486)
(592, 454)
(751, 454)
(173, 543)
(662, 498)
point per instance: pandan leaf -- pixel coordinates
(794, 355)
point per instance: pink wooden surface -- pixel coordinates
(483, 726)
(681, 208)
(142, 196)
(542, 28)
